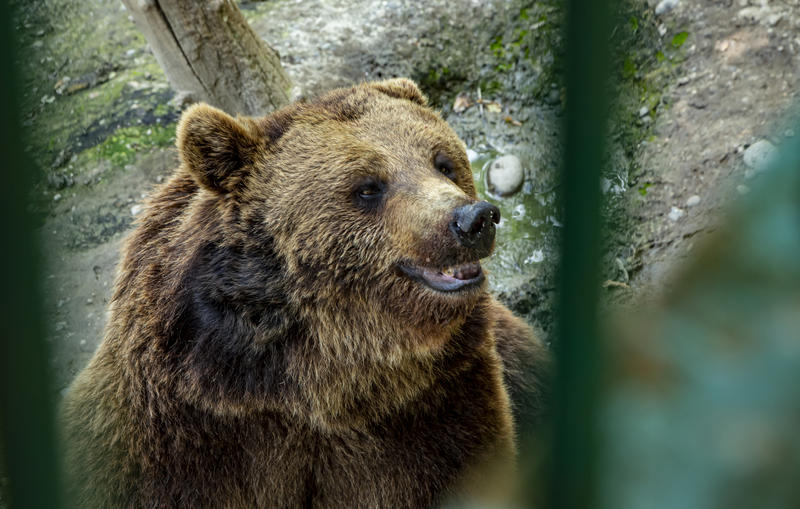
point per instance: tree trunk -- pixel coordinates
(208, 50)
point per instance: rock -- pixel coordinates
(759, 155)
(692, 201)
(471, 155)
(675, 213)
(643, 111)
(57, 197)
(536, 257)
(664, 6)
(136, 209)
(761, 14)
(61, 85)
(505, 175)
(742, 189)
(59, 181)
(135, 85)
(608, 186)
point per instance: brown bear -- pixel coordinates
(300, 319)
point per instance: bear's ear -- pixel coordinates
(215, 147)
(401, 88)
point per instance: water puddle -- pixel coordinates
(526, 229)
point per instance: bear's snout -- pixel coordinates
(473, 225)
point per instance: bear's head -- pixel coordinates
(366, 195)
(331, 244)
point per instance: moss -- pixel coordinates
(509, 57)
(81, 60)
(161, 110)
(644, 64)
(122, 147)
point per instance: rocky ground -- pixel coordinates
(702, 83)
(729, 104)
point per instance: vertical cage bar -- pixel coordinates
(588, 29)
(26, 414)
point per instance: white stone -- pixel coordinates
(471, 155)
(664, 6)
(692, 201)
(742, 189)
(506, 175)
(536, 257)
(675, 213)
(759, 155)
(644, 110)
(136, 209)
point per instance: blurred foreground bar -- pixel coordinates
(588, 30)
(28, 444)
(703, 408)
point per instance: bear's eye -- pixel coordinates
(369, 192)
(445, 166)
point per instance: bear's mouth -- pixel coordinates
(448, 279)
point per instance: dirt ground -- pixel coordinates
(738, 77)
(737, 86)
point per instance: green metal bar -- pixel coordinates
(26, 414)
(588, 29)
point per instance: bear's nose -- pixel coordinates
(473, 224)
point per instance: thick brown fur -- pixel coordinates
(262, 348)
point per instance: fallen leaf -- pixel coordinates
(461, 103)
(493, 107)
